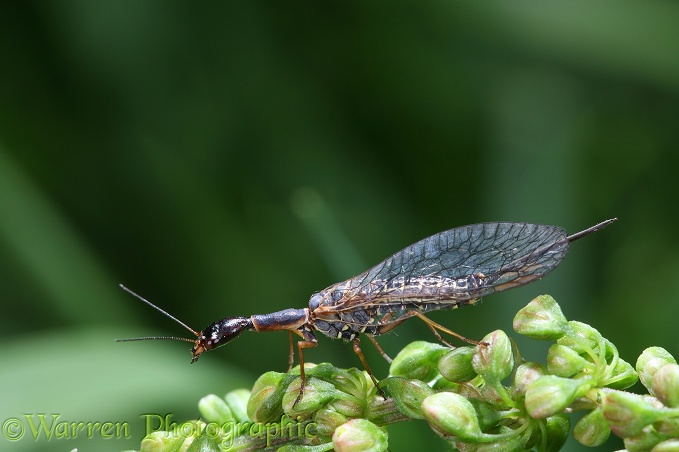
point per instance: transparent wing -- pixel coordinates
(460, 264)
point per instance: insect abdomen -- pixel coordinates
(340, 315)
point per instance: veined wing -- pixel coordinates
(454, 266)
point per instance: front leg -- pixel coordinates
(309, 342)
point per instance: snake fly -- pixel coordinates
(448, 270)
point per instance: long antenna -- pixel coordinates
(166, 314)
(596, 227)
(149, 338)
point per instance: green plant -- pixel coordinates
(478, 398)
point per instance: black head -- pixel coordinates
(220, 333)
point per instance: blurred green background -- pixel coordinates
(228, 159)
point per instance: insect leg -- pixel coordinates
(291, 358)
(438, 336)
(357, 350)
(379, 349)
(433, 325)
(301, 345)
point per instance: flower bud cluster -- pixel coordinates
(487, 397)
(478, 398)
(581, 366)
(206, 434)
(342, 404)
(648, 422)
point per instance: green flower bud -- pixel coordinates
(627, 414)
(214, 409)
(408, 395)
(565, 362)
(351, 387)
(441, 384)
(668, 426)
(513, 443)
(202, 443)
(348, 406)
(495, 361)
(327, 420)
(550, 395)
(456, 365)
(650, 360)
(264, 404)
(350, 381)
(162, 441)
(359, 435)
(580, 337)
(592, 429)
(558, 427)
(238, 403)
(623, 376)
(541, 319)
(665, 385)
(451, 414)
(670, 445)
(418, 361)
(525, 374)
(611, 350)
(317, 393)
(644, 441)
